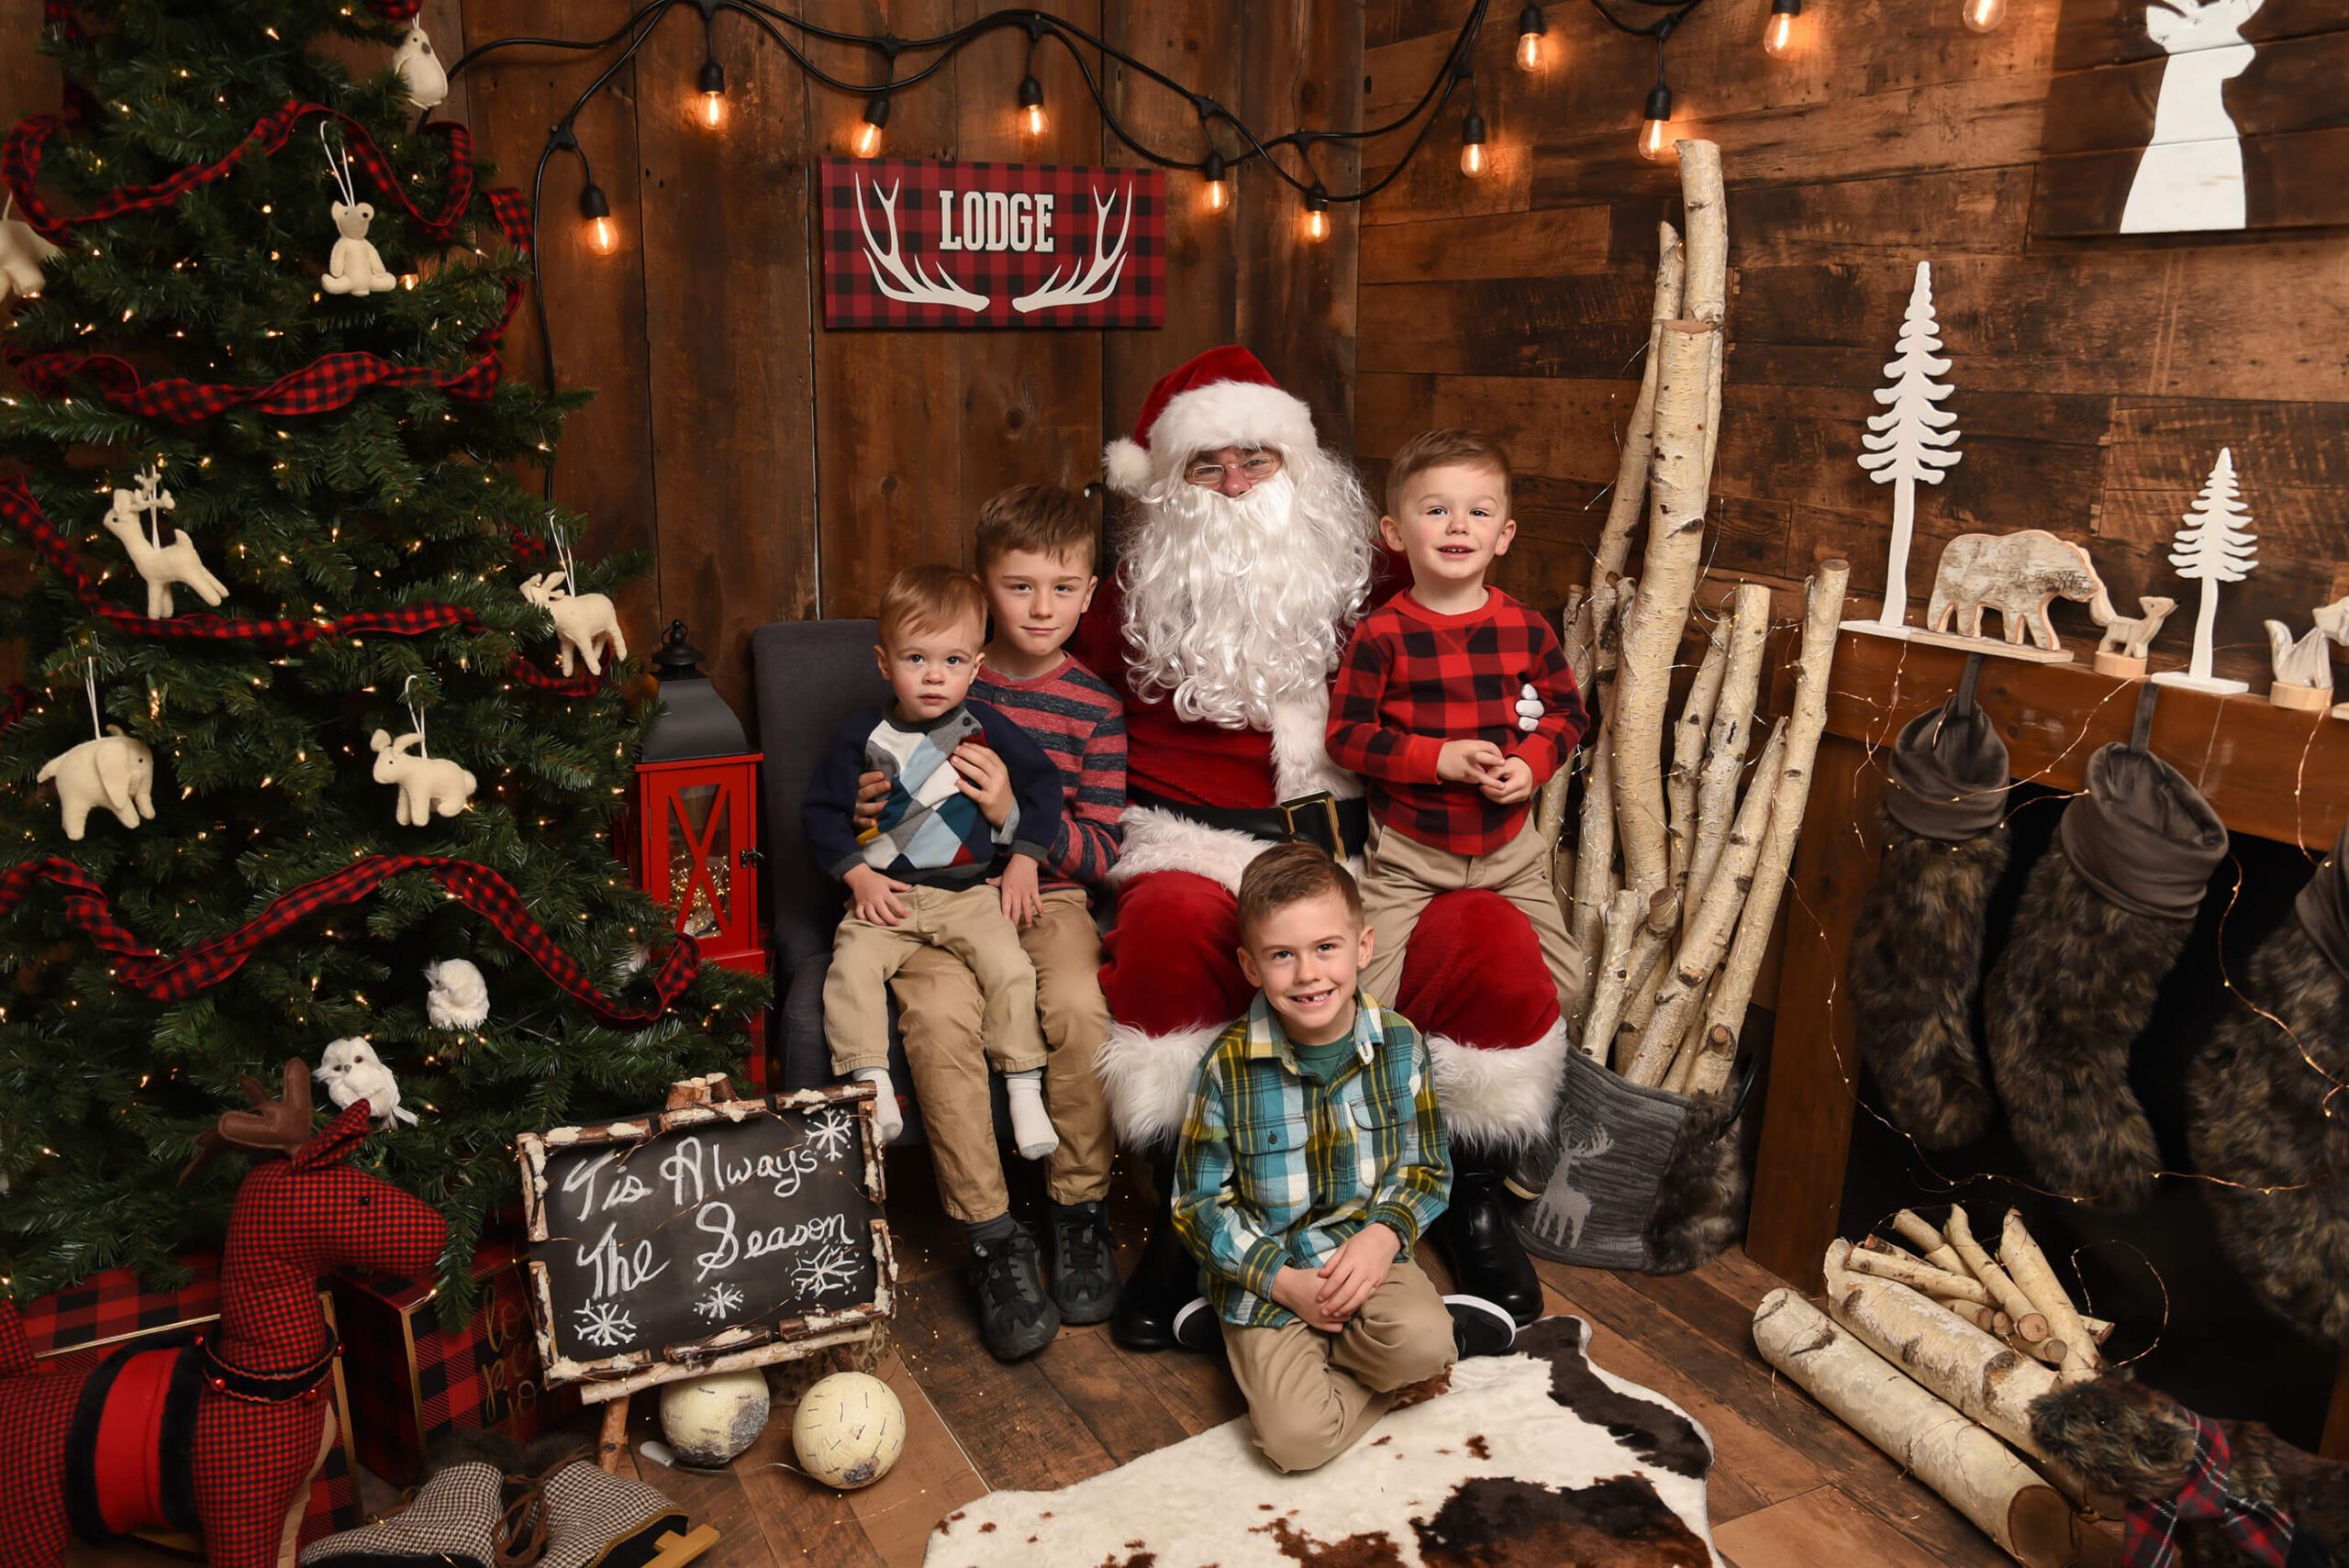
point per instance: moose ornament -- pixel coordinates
(223, 1435)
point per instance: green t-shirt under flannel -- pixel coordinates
(1277, 1169)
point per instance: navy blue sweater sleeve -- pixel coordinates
(828, 811)
(1036, 785)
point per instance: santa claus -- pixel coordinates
(1246, 558)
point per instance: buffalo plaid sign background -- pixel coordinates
(920, 242)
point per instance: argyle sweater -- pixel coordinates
(1071, 713)
(1412, 680)
(930, 832)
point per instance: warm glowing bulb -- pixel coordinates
(1654, 140)
(713, 109)
(1778, 37)
(1316, 224)
(867, 140)
(1983, 15)
(1529, 51)
(1033, 117)
(604, 235)
(1219, 196)
(1472, 158)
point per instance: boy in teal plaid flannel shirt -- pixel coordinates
(1312, 1157)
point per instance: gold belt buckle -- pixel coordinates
(1328, 803)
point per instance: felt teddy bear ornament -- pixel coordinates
(161, 566)
(354, 267)
(427, 783)
(23, 253)
(583, 623)
(350, 1071)
(112, 770)
(428, 83)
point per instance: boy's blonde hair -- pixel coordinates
(1442, 449)
(933, 599)
(1042, 519)
(1291, 873)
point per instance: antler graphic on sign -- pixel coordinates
(890, 273)
(1086, 285)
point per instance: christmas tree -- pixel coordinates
(2213, 545)
(1914, 441)
(240, 384)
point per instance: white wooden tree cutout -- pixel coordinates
(2214, 546)
(2191, 175)
(1912, 442)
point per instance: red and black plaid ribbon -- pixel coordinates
(213, 959)
(2260, 1531)
(21, 512)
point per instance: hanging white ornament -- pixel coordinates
(23, 254)
(427, 783)
(355, 267)
(350, 1071)
(584, 624)
(111, 769)
(428, 83)
(2214, 545)
(136, 519)
(457, 998)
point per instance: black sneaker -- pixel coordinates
(1085, 1263)
(1479, 1327)
(1197, 1327)
(1016, 1318)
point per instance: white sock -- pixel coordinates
(1032, 1127)
(887, 1119)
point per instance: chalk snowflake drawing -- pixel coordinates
(722, 1299)
(605, 1325)
(2191, 176)
(821, 1273)
(828, 1135)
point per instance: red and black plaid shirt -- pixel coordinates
(1413, 679)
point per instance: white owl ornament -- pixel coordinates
(350, 1071)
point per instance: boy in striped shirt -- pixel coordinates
(1035, 556)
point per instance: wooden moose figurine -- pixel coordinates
(222, 1435)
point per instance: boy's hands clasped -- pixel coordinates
(1328, 1297)
(1502, 779)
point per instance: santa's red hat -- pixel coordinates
(1223, 398)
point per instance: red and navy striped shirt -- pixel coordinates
(1412, 680)
(1071, 713)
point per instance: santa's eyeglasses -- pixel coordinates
(1255, 467)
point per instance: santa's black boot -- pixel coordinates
(1486, 1258)
(1166, 1277)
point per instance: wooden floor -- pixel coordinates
(1791, 1486)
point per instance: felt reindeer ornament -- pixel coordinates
(23, 254)
(161, 566)
(354, 267)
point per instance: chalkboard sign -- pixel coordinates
(719, 1233)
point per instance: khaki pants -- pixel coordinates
(1400, 874)
(965, 922)
(1312, 1394)
(938, 1012)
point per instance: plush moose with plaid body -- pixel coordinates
(221, 1436)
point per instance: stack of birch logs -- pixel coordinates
(1934, 1353)
(1679, 931)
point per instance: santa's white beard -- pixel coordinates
(1234, 604)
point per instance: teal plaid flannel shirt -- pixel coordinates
(1274, 1169)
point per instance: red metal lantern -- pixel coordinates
(695, 843)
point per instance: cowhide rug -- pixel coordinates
(1534, 1460)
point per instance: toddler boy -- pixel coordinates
(917, 877)
(1311, 1158)
(1426, 709)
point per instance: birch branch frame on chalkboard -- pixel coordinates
(707, 1237)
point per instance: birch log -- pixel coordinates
(1916, 1275)
(2027, 1265)
(1822, 611)
(1708, 938)
(1580, 640)
(1931, 1243)
(1595, 836)
(2028, 1320)
(1977, 1474)
(1726, 747)
(1689, 756)
(1667, 583)
(1609, 978)
(1706, 292)
(1628, 505)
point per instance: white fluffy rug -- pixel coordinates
(1533, 1460)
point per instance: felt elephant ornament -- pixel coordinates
(113, 771)
(425, 783)
(23, 254)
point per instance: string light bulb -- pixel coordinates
(713, 93)
(1031, 106)
(1317, 213)
(603, 234)
(1655, 132)
(867, 140)
(1983, 16)
(1472, 143)
(1219, 184)
(1778, 33)
(1531, 27)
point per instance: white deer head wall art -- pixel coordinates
(2191, 177)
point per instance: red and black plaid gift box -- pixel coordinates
(412, 1380)
(111, 1309)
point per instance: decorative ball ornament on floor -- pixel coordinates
(709, 1420)
(848, 1430)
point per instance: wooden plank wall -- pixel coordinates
(2097, 379)
(780, 469)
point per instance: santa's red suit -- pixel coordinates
(1473, 981)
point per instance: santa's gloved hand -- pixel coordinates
(1529, 708)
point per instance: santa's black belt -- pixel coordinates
(1340, 827)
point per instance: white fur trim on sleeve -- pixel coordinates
(1147, 1080)
(1160, 841)
(1301, 763)
(1126, 466)
(1499, 1096)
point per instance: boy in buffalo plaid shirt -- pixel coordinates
(1425, 710)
